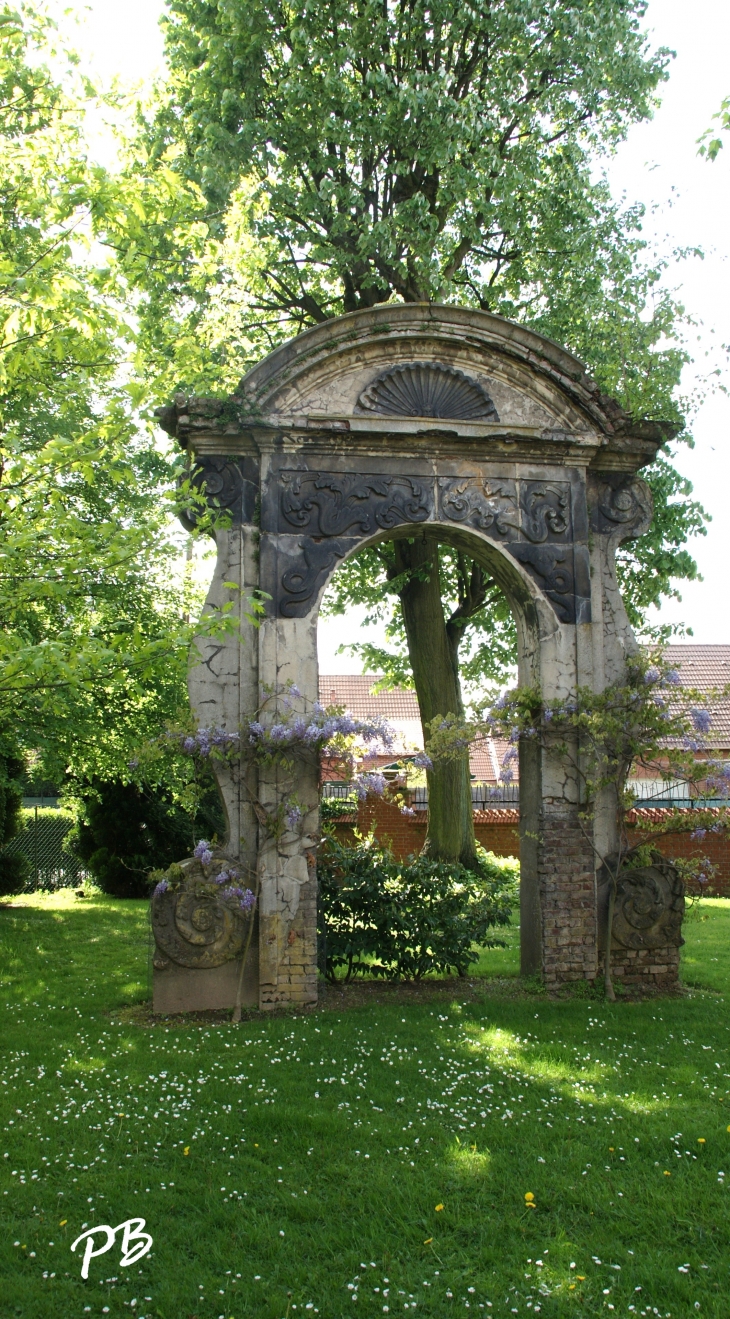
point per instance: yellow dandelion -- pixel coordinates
(438, 1208)
(63, 1222)
(529, 1197)
(667, 1174)
(571, 1288)
(581, 1277)
(428, 1241)
(701, 1140)
(186, 1150)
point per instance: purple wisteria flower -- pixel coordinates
(701, 720)
(202, 743)
(293, 816)
(407, 810)
(248, 900)
(203, 852)
(423, 761)
(547, 715)
(672, 678)
(652, 674)
(161, 888)
(366, 783)
(699, 832)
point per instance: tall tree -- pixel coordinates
(93, 642)
(353, 152)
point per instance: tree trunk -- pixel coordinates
(434, 661)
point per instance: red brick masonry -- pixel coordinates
(498, 831)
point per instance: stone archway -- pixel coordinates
(375, 424)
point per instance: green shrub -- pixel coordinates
(404, 919)
(13, 866)
(127, 831)
(334, 808)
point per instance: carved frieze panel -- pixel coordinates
(338, 504)
(489, 505)
(539, 510)
(229, 485)
(545, 511)
(335, 511)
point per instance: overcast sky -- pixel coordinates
(688, 201)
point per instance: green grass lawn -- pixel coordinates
(363, 1161)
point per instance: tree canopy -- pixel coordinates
(93, 638)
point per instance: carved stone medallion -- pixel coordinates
(196, 927)
(428, 389)
(649, 907)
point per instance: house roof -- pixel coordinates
(355, 692)
(400, 707)
(706, 667)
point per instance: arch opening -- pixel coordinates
(534, 624)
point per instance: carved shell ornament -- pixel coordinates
(428, 389)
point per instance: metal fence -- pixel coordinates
(483, 795)
(43, 842)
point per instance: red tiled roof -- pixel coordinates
(706, 667)
(400, 705)
(355, 692)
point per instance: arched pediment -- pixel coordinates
(464, 365)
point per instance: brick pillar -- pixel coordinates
(567, 885)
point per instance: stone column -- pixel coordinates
(287, 862)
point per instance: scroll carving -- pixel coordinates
(491, 506)
(545, 510)
(551, 566)
(334, 504)
(623, 506)
(229, 485)
(301, 581)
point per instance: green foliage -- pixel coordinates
(93, 608)
(334, 808)
(403, 920)
(13, 867)
(385, 150)
(129, 829)
(710, 145)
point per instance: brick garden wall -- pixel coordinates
(498, 831)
